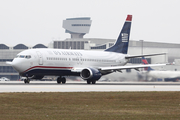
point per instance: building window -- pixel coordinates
(7, 69)
(20, 46)
(128, 70)
(63, 45)
(81, 24)
(139, 60)
(39, 46)
(4, 60)
(99, 47)
(3, 46)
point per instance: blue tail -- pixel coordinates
(145, 62)
(121, 45)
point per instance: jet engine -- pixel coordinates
(90, 74)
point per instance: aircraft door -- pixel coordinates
(40, 58)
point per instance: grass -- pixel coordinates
(90, 105)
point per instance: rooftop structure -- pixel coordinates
(77, 27)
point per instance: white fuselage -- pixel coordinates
(56, 61)
(163, 74)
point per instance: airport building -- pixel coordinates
(77, 28)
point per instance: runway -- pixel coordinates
(81, 86)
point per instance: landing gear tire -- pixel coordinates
(61, 80)
(88, 82)
(26, 81)
(93, 82)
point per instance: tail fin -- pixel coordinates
(145, 62)
(121, 44)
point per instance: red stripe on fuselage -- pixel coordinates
(48, 67)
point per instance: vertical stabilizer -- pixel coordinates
(145, 62)
(121, 44)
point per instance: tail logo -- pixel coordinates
(124, 37)
(144, 61)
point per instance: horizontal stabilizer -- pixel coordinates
(135, 56)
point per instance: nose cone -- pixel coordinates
(17, 65)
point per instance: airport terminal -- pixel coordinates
(77, 28)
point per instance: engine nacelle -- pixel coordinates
(90, 74)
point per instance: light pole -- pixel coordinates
(141, 46)
(142, 54)
(141, 49)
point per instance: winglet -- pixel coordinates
(129, 18)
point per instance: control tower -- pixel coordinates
(77, 27)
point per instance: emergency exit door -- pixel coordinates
(40, 58)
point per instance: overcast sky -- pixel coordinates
(40, 21)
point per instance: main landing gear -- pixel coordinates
(27, 80)
(91, 81)
(61, 80)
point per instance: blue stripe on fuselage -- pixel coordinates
(54, 72)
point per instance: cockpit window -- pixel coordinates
(21, 56)
(28, 56)
(24, 56)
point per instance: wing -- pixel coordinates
(120, 67)
(129, 67)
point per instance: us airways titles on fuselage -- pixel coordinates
(66, 53)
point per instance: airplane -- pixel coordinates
(89, 65)
(159, 74)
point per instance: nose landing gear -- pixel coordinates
(61, 80)
(27, 80)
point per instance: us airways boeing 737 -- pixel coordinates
(89, 65)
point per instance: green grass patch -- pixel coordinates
(90, 105)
